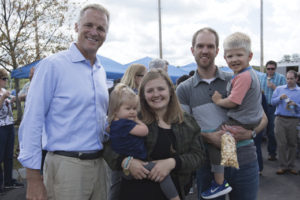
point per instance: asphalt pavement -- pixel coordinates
(272, 186)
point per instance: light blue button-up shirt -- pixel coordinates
(277, 79)
(67, 102)
(292, 94)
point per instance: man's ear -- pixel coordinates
(192, 50)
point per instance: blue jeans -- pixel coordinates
(7, 138)
(257, 141)
(270, 131)
(115, 187)
(244, 181)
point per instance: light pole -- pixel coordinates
(261, 37)
(159, 30)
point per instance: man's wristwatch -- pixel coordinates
(253, 134)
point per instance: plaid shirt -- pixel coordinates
(190, 149)
(277, 79)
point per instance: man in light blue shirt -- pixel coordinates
(268, 83)
(67, 103)
(286, 98)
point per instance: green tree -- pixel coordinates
(31, 30)
(286, 58)
(296, 57)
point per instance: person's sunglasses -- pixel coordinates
(271, 69)
(140, 75)
(4, 79)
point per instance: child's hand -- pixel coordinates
(216, 97)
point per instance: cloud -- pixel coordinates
(134, 27)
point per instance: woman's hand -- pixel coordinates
(6, 94)
(161, 169)
(137, 169)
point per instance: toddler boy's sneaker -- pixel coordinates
(216, 190)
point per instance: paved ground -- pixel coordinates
(272, 186)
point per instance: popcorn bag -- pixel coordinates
(228, 151)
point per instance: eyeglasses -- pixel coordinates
(4, 79)
(271, 69)
(140, 75)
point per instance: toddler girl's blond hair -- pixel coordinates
(121, 93)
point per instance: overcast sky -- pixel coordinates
(133, 32)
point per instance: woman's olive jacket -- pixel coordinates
(190, 150)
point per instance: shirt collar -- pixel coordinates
(219, 75)
(295, 88)
(76, 56)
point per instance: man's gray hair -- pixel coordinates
(158, 63)
(94, 6)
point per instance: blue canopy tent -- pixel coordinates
(114, 70)
(144, 61)
(174, 72)
(23, 72)
(189, 67)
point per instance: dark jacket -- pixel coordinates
(189, 148)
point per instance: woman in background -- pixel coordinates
(7, 136)
(133, 76)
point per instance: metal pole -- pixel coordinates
(159, 30)
(261, 37)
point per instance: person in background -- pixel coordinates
(286, 98)
(174, 143)
(7, 136)
(133, 76)
(259, 137)
(159, 63)
(195, 97)
(192, 72)
(67, 102)
(23, 92)
(268, 83)
(181, 79)
(116, 81)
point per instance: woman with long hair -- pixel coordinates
(174, 143)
